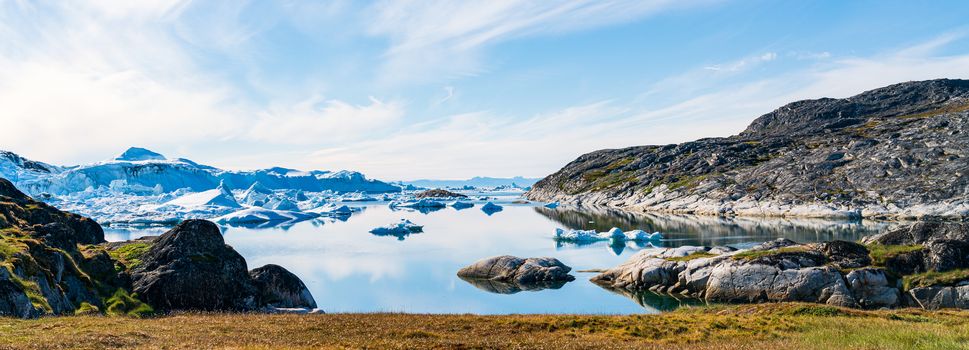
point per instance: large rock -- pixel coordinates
(871, 289)
(280, 288)
(940, 297)
(736, 281)
(13, 299)
(191, 268)
(522, 272)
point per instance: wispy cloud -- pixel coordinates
(445, 37)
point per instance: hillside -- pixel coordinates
(894, 152)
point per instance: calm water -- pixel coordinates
(350, 270)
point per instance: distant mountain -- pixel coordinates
(900, 151)
(138, 170)
(478, 181)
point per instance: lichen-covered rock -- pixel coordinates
(522, 272)
(279, 288)
(940, 297)
(844, 254)
(13, 298)
(871, 289)
(737, 281)
(901, 145)
(191, 268)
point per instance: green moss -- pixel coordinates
(31, 289)
(619, 163)
(124, 304)
(754, 254)
(933, 278)
(880, 253)
(687, 182)
(943, 110)
(695, 255)
(87, 309)
(130, 254)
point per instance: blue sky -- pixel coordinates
(438, 89)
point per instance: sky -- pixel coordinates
(403, 89)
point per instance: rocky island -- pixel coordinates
(897, 152)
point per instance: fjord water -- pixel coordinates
(350, 270)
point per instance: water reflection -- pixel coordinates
(499, 287)
(351, 270)
(655, 302)
(680, 230)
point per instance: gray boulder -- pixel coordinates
(871, 289)
(280, 288)
(523, 273)
(940, 297)
(736, 281)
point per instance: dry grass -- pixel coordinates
(765, 326)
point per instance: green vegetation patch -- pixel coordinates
(933, 278)
(87, 309)
(124, 304)
(619, 163)
(130, 254)
(754, 254)
(693, 256)
(687, 182)
(881, 253)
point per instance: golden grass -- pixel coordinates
(764, 326)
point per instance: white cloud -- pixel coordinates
(318, 120)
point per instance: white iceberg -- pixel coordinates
(257, 215)
(615, 234)
(332, 210)
(219, 197)
(399, 229)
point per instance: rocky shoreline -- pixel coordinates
(897, 153)
(922, 265)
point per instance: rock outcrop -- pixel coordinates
(191, 267)
(919, 265)
(896, 152)
(508, 274)
(53, 262)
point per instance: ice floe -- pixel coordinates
(614, 234)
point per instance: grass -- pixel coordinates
(754, 254)
(688, 182)
(933, 278)
(880, 253)
(762, 326)
(130, 254)
(695, 255)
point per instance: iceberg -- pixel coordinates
(491, 208)
(258, 215)
(221, 196)
(552, 205)
(461, 205)
(400, 229)
(615, 234)
(332, 210)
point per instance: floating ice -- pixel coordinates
(552, 205)
(491, 208)
(258, 215)
(400, 229)
(461, 205)
(614, 234)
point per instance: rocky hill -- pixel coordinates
(895, 152)
(58, 263)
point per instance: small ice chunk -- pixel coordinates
(461, 204)
(552, 205)
(491, 208)
(400, 229)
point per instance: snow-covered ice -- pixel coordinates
(257, 215)
(614, 234)
(400, 229)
